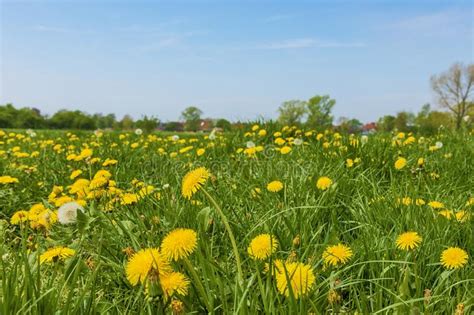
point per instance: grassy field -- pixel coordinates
(266, 221)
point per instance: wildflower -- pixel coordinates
(8, 179)
(174, 282)
(296, 275)
(56, 254)
(129, 198)
(323, 183)
(298, 141)
(408, 240)
(146, 264)
(454, 258)
(67, 213)
(262, 133)
(419, 202)
(138, 132)
(275, 186)
(193, 181)
(250, 144)
(400, 163)
(108, 162)
(285, 150)
(200, 151)
(177, 307)
(462, 216)
(75, 173)
(333, 297)
(349, 163)
(19, 217)
(279, 141)
(256, 192)
(179, 244)
(448, 214)
(421, 162)
(262, 246)
(337, 254)
(436, 204)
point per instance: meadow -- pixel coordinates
(266, 220)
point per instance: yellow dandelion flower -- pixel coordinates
(262, 246)
(56, 253)
(179, 244)
(174, 282)
(454, 258)
(349, 163)
(408, 240)
(19, 217)
(296, 275)
(275, 186)
(8, 179)
(285, 150)
(436, 204)
(400, 163)
(337, 254)
(323, 183)
(75, 173)
(200, 151)
(462, 216)
(193, 181)
(420, 202)
(146, 264)
(108, 162)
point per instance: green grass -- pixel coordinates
(361, 210)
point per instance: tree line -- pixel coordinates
(454, 90)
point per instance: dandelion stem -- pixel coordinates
(198, 282)
(231, 235)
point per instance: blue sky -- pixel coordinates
(233, 59)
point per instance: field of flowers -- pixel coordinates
(264, 221)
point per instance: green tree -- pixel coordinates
(292, 112)
(429, 122)
(404, 121)
(147, 124)
(63, 119)
(319, 111)
(386, 123)
(126, 122)
(173, 126)
(349, 125)
(192, 118)
(7, 116)
(224, 124)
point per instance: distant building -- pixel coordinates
(369, 127)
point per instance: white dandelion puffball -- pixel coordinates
(297, 141)
(212, 136)
(250, 144)
(175, 138)
(364, 139)
(138, 131)
(439, 144)
(67, 213)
